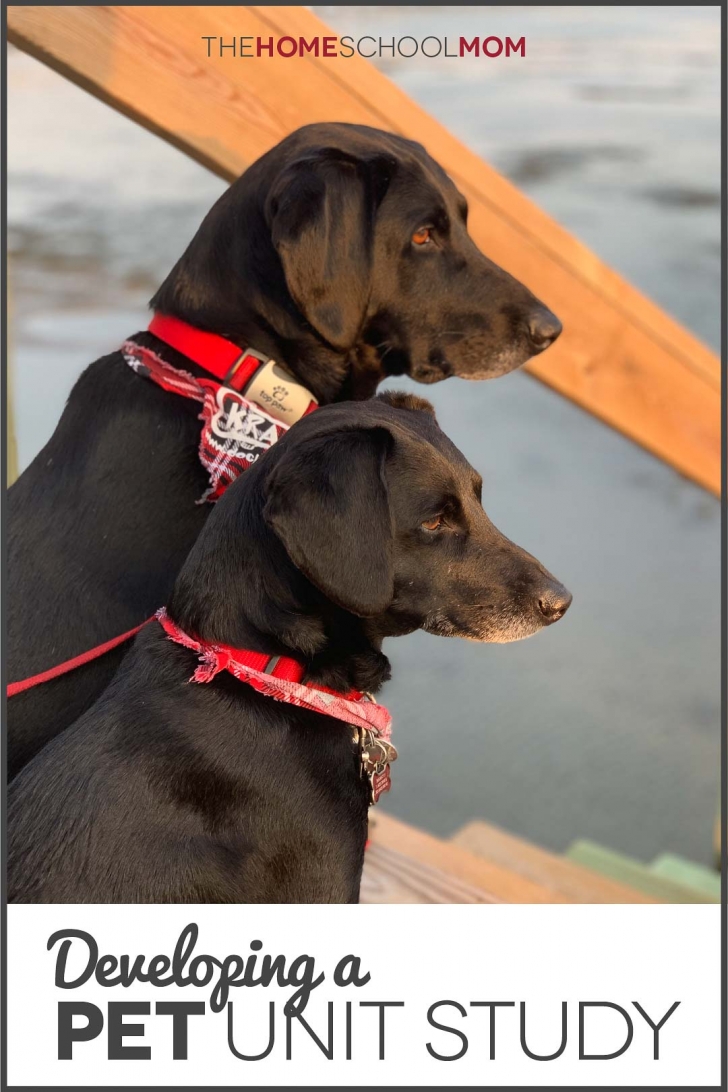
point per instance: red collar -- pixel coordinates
(248, 405)
(279, 677)
(263, 380)
(222, 358)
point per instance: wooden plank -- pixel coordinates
(688, 874)
(404, 864)
(391, 877)
(620, 357)
(627, 870)
(576, 883)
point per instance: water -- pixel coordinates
(607, 725)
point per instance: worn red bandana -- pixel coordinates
(282, 682)
(235, 431)
(353, 708)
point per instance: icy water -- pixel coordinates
(606, 726)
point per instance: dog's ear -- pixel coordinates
(327, 502)
(405, 400)
(321, 212)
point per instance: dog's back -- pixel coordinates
(166, 792)
(99, 525)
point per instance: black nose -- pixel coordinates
(553, 602)
(543, 328)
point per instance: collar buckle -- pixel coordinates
(248, 372)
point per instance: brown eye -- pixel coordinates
(421, 236)
(433, 524)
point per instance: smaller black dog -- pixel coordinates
(362, 522)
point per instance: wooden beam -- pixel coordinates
(620, 357)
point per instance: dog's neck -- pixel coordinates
(216, 286)
(238, 587)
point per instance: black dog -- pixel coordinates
(343, 254)
(363, 522)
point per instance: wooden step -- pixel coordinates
(627, 870)
(407, 865)
(570, 881)
(697, 877)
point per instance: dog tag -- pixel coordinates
(379, 783)
(376, 756)
(278, 393)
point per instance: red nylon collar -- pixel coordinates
(372, 723)
(279, 678)
(281, 667)
(222, 358)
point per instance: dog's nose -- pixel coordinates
(553, 602)
(543, 328)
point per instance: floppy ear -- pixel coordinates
(328, 504)
(407, 401)
(321, 211)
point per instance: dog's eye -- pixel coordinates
(433, 524)
(422, 236)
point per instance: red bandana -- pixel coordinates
(280, 683)
(235, 432)
(283, 683)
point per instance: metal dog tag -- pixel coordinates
(379, 783)
(376, 756)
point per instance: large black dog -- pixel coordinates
(363, 522)
(344, 255)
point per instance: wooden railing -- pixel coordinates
(620, 356)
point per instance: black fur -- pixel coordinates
(172, 791)
(306, 258)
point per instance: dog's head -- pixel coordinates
(354, 240)
(383, 515)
